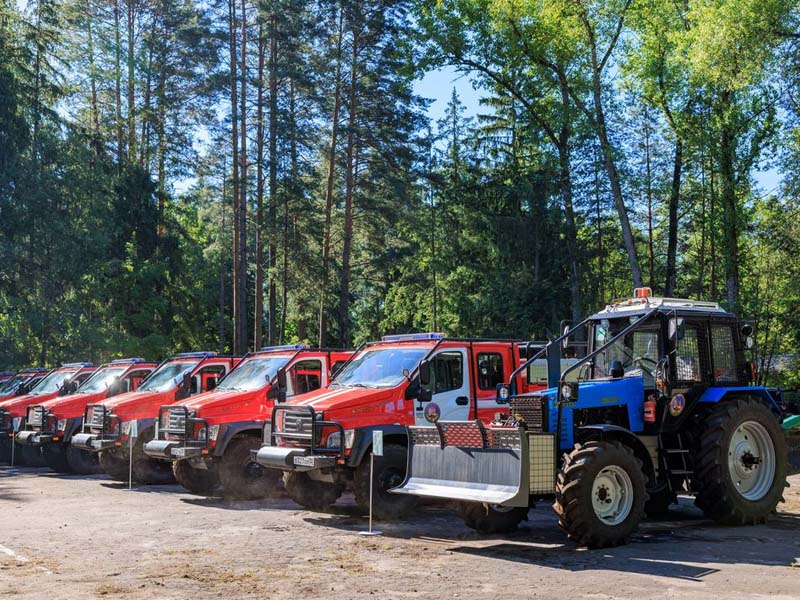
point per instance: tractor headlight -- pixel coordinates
(503, 393)
(213, 432)
(61, 425)
(566, 392)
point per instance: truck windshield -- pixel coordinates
(100, 381)
(381, 368)
(163, 379)
(52, 383)
(11, 384)
(253, 374)
(638, 351)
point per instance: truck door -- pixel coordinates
(492, 368)
(450, 399)
(304, 376)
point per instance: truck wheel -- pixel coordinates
(146, 470)
(81, 461)
(56, 458)
(600, 494)
(197, 481)
(389, 472)
(29, 456)
(113, 465)
(741, 469)
(5, 449)
(491, 518)
(242, 478)
(310, 493)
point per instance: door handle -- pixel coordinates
(462, 400)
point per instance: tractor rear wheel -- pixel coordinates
(197, 481)
(81, 461)
(113, 465)
(56, 458)
(242, 478)
(389, 472)
(310, 493)
(600, 494)
(491, 518)
(740, 472)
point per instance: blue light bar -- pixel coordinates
(286, 347)
(195, 354)
(76, 365)
(126, 361)
(6, 373)
(411, 337)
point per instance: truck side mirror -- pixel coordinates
(281, 378)
(425, 373)
(211, 383)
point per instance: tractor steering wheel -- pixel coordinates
(640, 359)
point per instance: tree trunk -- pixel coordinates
(651, 258)
(344, 298)
(326, 242)
(241, 284)
(236, 342)
(258, 312)
(672, 226)
(565, 184)
(118, 85)
(273, 172)
(293, 174)
(131, 82)
(729, 216)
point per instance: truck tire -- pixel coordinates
(197, 481)
(113, 465)
(81, 461)
(489, 518)
(600, 494)
(146, 470)
(242, 478)
(29, 456)
(5, 449)
(389, 472)
(740, 472)
(310, 493)
(56, 458)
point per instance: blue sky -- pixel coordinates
(438, 85)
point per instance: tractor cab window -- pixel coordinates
(448, 372)
(304, 376)
(688, 366)
(638, 352)
(490, 370)
(723, 354)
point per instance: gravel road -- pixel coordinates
(88, 537)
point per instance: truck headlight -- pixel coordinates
(15, 423)
(61, 425)
(335, 441)
(213, 432)
(130, 428)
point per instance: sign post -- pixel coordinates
(377, 450)
(132, 435)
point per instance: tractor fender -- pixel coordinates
(231, 430)
(624, 436)
(714, 395)
(362, 442)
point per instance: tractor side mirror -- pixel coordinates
(282, 382)
(565, 333)
(425, 373)
(677, 329)
(662, 376)
(616, 370)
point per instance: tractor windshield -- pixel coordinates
(638, 351)
(52, 383)
(253, 374)
(381, 367)
(100, 381)
(164, 378)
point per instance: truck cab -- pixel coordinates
(378, 390)
(21, 383)
(209, 437)
(662, 403)
(50, 425)
(126, 422)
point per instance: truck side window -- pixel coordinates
(205, 376)
(490, 370)
(687, 357)
(448, 372)
(723, 354)
(336, 366)
(304, 376)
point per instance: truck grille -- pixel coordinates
(97, 418)
(36, 416)
(532, 409)
(176, 421)
(296, 426)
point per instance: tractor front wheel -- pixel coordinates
(243, 478)
(310, 493)
(600, 494)
(197, 481)
(491, 518)
(741, 467)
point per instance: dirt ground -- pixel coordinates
(70, 536)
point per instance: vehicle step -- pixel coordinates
(680, 472)
(676, 450)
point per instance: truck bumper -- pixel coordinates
(92, 442)
(33, 438)
(171, 450)
(291, 459)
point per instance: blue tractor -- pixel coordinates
(662, 403)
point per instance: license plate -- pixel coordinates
(97, 443)
(304, 461)
(179, 452)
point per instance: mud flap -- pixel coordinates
(465, 461)
(791, 426)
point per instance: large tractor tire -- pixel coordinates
(82, 462)
(490, 518)
(146, 470)
(389, 472)
(197, 481)
(242, 478)
(310, 493)
(113, 464)
(56, 458)
(740, 470)
(600, 494)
